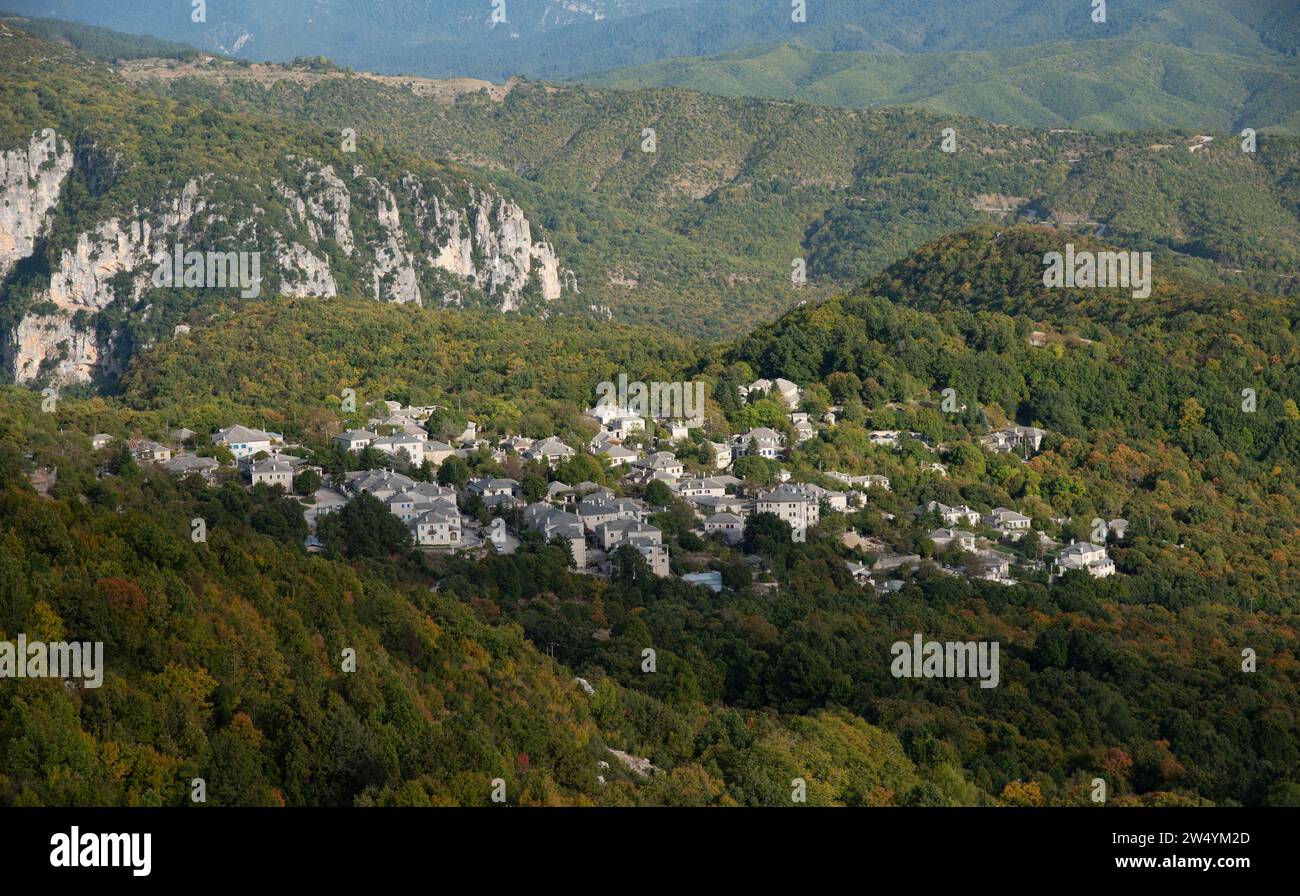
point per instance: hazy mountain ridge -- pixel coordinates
(1112, 86)
(549, 39)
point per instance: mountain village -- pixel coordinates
(489, 512)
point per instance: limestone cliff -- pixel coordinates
(31, 178)
(315, 231)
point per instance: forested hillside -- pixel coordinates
(226, 661)
(282, 361)
(781, 675)
(700, 234)
(1110, 86)
(103, 43)
(1144, 396)
(101, 181)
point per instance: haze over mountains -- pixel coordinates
(555, 39)
(1183, 63)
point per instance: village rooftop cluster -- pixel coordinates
(489, 512)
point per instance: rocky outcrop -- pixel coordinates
(72, 352)
(315, 232)
(393, 273)
(31, 179)
(488, 243)
(303, 274)
(483, 240)
(57, 336)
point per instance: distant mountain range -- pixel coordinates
(1203, 64)
(567, 38)
(1100, 86)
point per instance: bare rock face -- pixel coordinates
(55, 336)
(330, 203)
(393, 272)
(318, 232)
(488, 243)
(303, 274)
(31, 179)
(507, 237)
(75, 352)
(84, 276)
